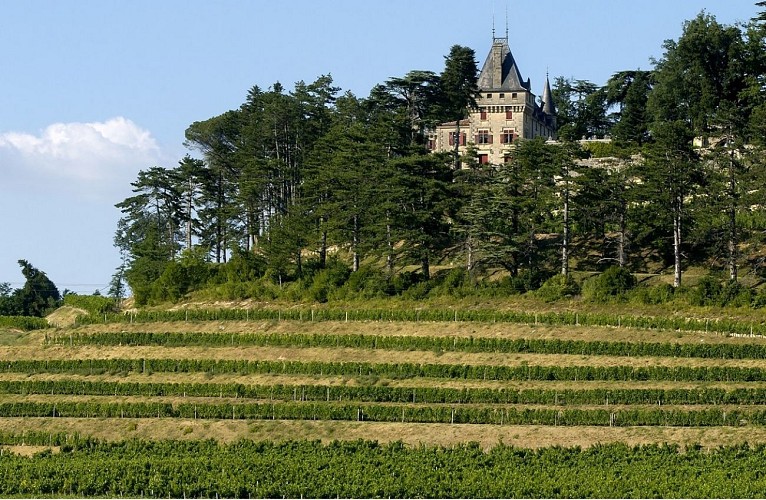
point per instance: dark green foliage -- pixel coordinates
(23, 322)
(10, 303)
(193, 469)
(581, 109)
(366, 283)
(612, 284)
(630, 90)
(657, 294)
(558, 287)
(243, 266)
(39, 296)
(710, 291)
(310, 173)
(328, 279)
(94, 304)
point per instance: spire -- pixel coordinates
(506, 20)
(548, 107)
(493, 20)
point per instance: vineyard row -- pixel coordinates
(388, 413)
(384, 394)
(387, 370)
(724, 326)
(364, 469)
(404, 343)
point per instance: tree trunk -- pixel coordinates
(322, 244)
(189, 200)
(457, 144)
(355, 242)
(677, 246)
(299, 263)
(732, 243)
(425, 267)
(390, 243)
(621, 241)
(469, 255)
(565, 242)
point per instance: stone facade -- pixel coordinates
(506, 110)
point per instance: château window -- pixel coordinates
(514, 95)
(483, 137)
(502, 96)
(483, 159)
(508, 114)
(489, 96)
(507, 137)
(483, 114)
(453, 136)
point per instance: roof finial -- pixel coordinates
(493, 19)
(506, 19)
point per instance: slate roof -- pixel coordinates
(506, 64)
(548, 107)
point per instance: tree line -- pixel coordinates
(37, 297)
(320, 188)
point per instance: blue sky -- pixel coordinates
(92, 91)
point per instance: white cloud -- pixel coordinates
(92, 159)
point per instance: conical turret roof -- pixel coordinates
(500, 71)
(549, 108)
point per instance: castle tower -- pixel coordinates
(506, 111)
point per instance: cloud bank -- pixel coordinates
(96, 160)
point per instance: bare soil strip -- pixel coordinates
(425, 329)
(409, 433)
(224, 399)
(337, 355)
(338, 381)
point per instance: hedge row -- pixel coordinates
(472, 315)
(23, 322)
(406, 343)
(389, 413)
(385, 394)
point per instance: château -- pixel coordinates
(506, 110)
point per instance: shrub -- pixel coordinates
(95, 304)
(453, 282)
(707, 292)
(367, 282)
(405, 280)
(612, 284)
(332, 277)
(558, 287)
(243, 266)
(759, 300)
(172, 283)
(735, 294)
(652, 295)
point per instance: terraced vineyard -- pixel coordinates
(423, 390)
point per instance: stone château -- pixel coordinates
(506, 110)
